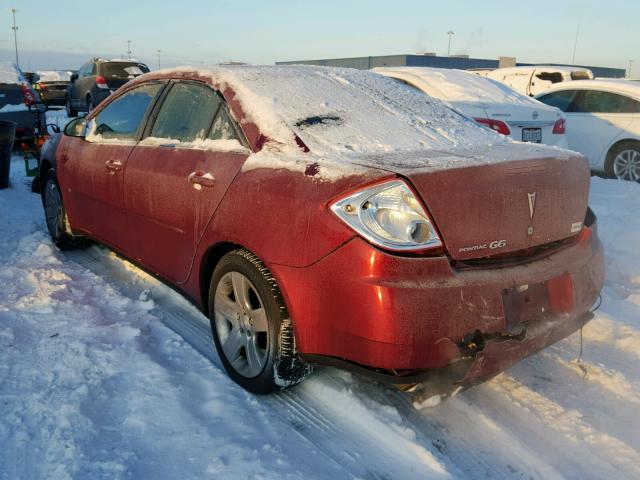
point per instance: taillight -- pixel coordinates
(28, 95)
(560, 127)
(389, 215)
(495, 125)
(101, 82)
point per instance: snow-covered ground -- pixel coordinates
(107, 373)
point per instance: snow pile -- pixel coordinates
(219, 145)
(8, 108)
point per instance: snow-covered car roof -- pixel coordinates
(54, 75)
(625, 87)
(9, 73)
(337, 110)
(547, 68)
(456, 86)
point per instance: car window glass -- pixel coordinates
(186, 113)
(553, 77)
(594, 101)
(123, 70)
(580, 75)
(121, 119)
(223, 127)
(561, 100)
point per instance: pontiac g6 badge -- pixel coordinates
(532, 209)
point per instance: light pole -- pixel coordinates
(129, 49)
(451, 34)
(159, 51)
(15, 34)
(630, 66)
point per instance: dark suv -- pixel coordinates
(96, 80)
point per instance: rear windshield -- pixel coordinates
(123, 70)
(350, 110)
(10, 94)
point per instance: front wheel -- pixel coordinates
(56, 216)
(623, 162)
(251, 326)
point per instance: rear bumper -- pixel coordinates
(401, 315)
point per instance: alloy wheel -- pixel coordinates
(626, 165)
(241, 324)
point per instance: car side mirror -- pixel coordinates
(76, 128)
(74, 77)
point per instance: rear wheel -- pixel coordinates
(623, 161)
(251, 326)
(71, 112)
(90, 105)
(56, 216)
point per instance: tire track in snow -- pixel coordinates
(365, 457)
(560, 435)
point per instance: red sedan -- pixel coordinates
(332, 216)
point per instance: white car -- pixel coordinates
(603, 118)
(536, 79)
(488, 102)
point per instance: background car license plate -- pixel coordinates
(532, 135)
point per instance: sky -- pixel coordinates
(64, 34)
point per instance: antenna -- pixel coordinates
(15, 34)
(575, 45)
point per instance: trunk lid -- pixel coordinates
(503, 198)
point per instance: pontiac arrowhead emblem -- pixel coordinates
(532, 204)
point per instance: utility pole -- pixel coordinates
(129, 49)
(630, 66)
(451, 34)
(575, 45)
(159, 52)
(15, 34)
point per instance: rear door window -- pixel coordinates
(224, 128)
(187, 113)
(561, 100)
(595, 101)
(122, 118)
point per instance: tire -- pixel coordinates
(251, 329)
(71, 112)
(623, 161)
(56, 216)
(90, 105)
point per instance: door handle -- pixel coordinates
(201, 179)
(113, 165)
